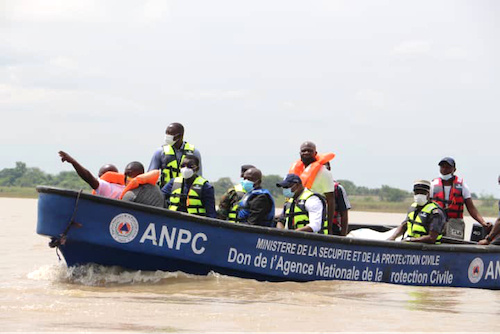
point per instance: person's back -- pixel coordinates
(141, 187)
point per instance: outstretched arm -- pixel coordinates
(80, 170)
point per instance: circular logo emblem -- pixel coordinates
(124, 228)
(476, 269)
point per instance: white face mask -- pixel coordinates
(446, 176)
(169, 140)
(187, 172)
(420, 199)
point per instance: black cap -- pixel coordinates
(449, 160)
(289, 181)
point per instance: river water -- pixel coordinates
(39, 294)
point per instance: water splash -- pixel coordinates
(98, 275)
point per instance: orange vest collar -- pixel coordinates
(308, 175)
(112, 177)
(150, 177)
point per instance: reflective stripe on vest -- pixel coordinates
(300, 217)
(418, 227)
(170, 168)
(233, 211)
(192, 201)
(454, 206)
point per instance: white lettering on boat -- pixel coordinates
(174, 238)
(493, 270)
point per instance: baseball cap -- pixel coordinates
(289, 181)
(449, 160)
(422, 185)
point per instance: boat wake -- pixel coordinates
(98, 275)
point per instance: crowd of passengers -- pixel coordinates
(315, 202)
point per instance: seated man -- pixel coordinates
(425, 219)
(257, 206)
(229, 201)
(304, 211)
(494, 236)
(190, 192)
(141, 187)
(109, 184)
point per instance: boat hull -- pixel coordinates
(140, 237)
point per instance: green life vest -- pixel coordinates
(170, 167)
(419, 226)
(233, 211)
(190, 202)
(296, 215)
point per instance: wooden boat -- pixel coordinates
(94, 229)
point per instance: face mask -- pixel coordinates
(169, 140)
(287, 192)
(187, 172)
(447, 176)
(420, 199)
(247, 185)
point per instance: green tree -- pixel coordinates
(222, 185)
(269, 183)
(392, 194)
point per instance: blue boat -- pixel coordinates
(94, 229)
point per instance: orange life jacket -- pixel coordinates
(150, 177)
(308, 174)
(112, 177)
(454, 206)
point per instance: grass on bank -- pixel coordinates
(487, 208)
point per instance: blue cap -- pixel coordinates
(289, 181)
(450, 161)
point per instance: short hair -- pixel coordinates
(244, 168)
(177, 126)
(193, 158)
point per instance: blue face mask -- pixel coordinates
(287, 192)
(247, 185)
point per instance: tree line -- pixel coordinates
(23, 176)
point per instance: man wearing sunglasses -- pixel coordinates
(190, 192)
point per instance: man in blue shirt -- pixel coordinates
(168, 157)
(190, 192)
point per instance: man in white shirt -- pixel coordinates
(304, 210)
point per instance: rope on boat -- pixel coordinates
(55, 242)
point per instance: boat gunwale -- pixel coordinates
(464, 248)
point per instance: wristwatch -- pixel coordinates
(488, 238)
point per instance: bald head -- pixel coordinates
(308, 152)
(133, 169)
(254, 175)
(107, 168)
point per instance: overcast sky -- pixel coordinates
(390, 87)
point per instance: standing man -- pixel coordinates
(304, 211)
(314, 175)
(257, 206)
(425, 219)
(190, 192)
(168, 158)
(494, 236)
(451, 193)
(228, 205)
